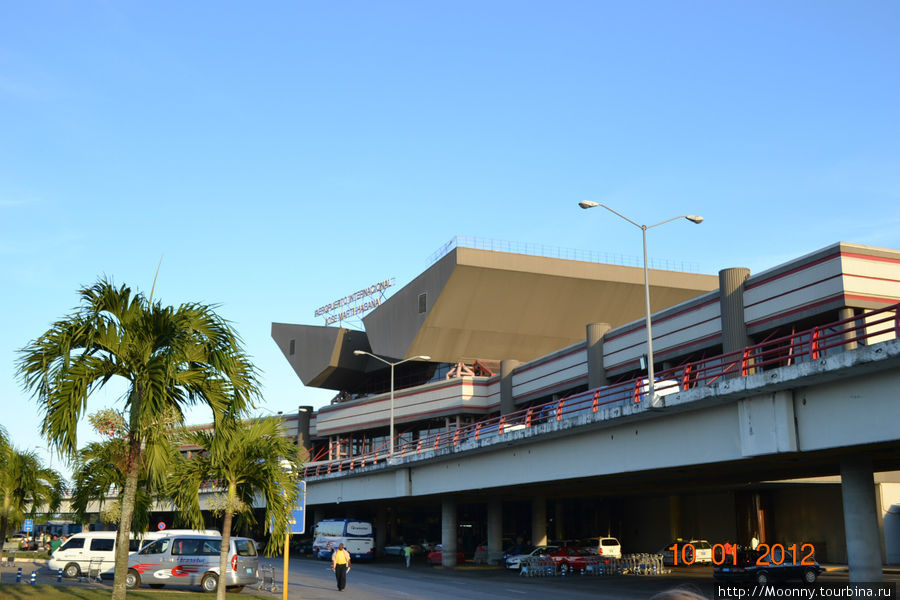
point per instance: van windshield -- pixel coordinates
(72, 544)
(157, 547)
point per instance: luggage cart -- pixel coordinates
(267, 579)
(95, 567)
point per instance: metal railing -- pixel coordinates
(548, 251)
(811, 344)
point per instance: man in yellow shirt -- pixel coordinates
(340, 564)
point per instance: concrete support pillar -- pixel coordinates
(731, 306)
(507, 402)
(495, 530)
(380, 529)
(860, 520)
(674, 517)
(596, 370)
(303, 416)
(539, 521)
(847, 313)
(449, 529)
(559, 519)
(731, 303)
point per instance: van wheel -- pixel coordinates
(235, 589)
(72, 570)
(132, 579)
(762, 578)
(210, 582)
(809, 576)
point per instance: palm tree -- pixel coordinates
(246, 459)
(100, 467)
(25, 485)
(169, 357)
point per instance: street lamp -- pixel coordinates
(693, 219)
(392, 365)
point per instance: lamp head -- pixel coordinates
(423, 357)
(359, 352)
(588, 204)
(694, 219)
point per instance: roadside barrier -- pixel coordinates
(19, 575)
(59, 575)
(33, 577)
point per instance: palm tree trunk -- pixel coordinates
(226, 540)
(124, 533)
(4, 523)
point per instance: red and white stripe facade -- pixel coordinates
(841, 275)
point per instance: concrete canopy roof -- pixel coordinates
(488, 305)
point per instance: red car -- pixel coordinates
(574, 559)
(437, 554)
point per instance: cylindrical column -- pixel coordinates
(495, 530)
(847, 313)
(507, 402)
(674, 517)
(594, 339)
(449, 529)
(860, 520)
(559, 519)
(731, 303)
(304, 413)
(539, 521)
(731, 307)
(380, 529)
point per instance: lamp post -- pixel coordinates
(651, 390)
(392, 365)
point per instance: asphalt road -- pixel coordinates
(389, 579)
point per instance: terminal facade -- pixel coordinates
(507, 332)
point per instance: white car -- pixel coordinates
(608, 546)
(515, 561)
(689, 552)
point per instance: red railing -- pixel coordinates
(811, 344)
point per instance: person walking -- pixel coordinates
(340, 564)
(407, 552)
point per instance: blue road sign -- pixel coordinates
(28, 527)
(297, 519)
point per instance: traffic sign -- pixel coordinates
(297, 520)
(28, 527)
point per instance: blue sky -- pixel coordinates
(278, 156)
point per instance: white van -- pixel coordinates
(193, 560)
(604, 546)
(75, 556)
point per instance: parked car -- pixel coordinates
(574, 558)
(745, 567)
(604, 546)
(516, 549)
(436, 556)
(689, 552)
(193, 559)
(303, 545)
(514, 561)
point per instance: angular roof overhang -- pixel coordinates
(482, 304)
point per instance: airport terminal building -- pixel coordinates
(493, 336)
